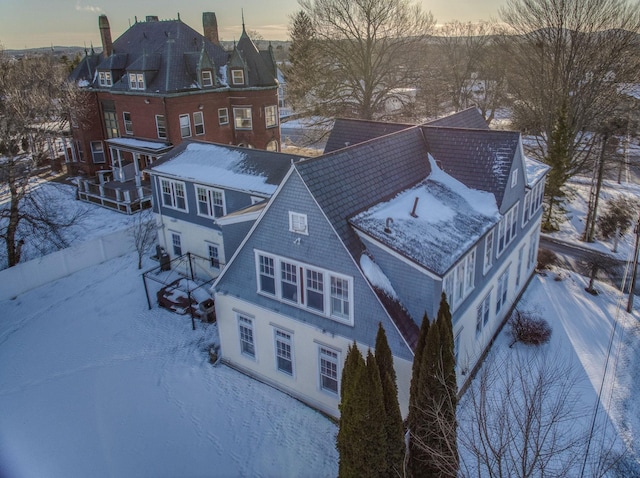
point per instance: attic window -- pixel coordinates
(514, 178)
(237, 77)
(207, 78)
(298, 223)
(104, 78)
(136, 81)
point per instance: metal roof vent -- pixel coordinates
(387, 228)
(415, 205)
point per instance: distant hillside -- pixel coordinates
(58, 51)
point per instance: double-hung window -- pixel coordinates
(210, 202)
(237, 77)
(104, 78)
(488, 251)
(245, 330)
(214, 256)
(459, 283)
(328, 360)
(185, 126)
(207, 78)
(284, 352)
(136, 81)
(173, 194)
(176, 243)
(223, 116)
(507, 228)
(242, 117)
(198, 123)
(503, 289)
(271, 116)
(128, 124)
(161, 127)
(482, 316)
(97, 152)
(305, 286)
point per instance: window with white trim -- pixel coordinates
(483, 313)
(97, 152)
(328, 361)
(459, 283)
(242, 117)
(507, 229)
(298, 223)
(176, 244)
(237, 77)
(136, 81)
(198, 123)
(271, 116)
(488, 251)
(161, 127)
(210, 202)
(128, 124)
(185, 126)
(514, 178)
(214, 256)
(104, 78)
(526, 209)
(207, 78)
(245, 331)
(173, 194)
(519, 269)
(503, 289)
(284, 351)
(305, 286)
(533, 250)
(223, 116)
(111, 124)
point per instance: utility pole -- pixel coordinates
(636, 230)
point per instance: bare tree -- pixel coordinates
(574, 53)
(520, 419)
(365, 52)
(143, 232)
(35, 100)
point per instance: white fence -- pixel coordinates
(29, 275)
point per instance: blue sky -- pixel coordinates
(37, 23)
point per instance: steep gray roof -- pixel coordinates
(479, 158)
(352, 179)
(348, 132)
(260, 65)
(469, 118)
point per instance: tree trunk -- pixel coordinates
(592, 213)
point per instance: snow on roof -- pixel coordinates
(449, 219)
(534, 170)
(217, 166)
(138, 143)
(376, 277)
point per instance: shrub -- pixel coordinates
(528, 328)
(546, 259)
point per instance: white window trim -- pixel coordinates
(267, 123)
(173, 193)
(199, 122)
(127, 130)
(225, 116)
(489, 252)
(506, 235)
(188, 123)
(298, 218)
(210, 192)
(502, 289)
(458, 275)
(236, 118)
(105, 79)
(483, 308)
(289, 341)
(103, 153)
(137, 79)
(248, 323)
(514, 178)
(207, 78)
(164, 119)
(217, 247)
(239, 76)
(338, 361)
(177, 234)
(301, 299)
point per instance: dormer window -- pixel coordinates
(237, 77)
(104, 78)
(207, 78)
(136, 81)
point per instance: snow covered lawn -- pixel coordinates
(94, 384)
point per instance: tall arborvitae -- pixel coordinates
(374, 434)
(392, 416)
(352, 412)
(414, 416)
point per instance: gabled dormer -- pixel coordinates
(201, 68)
(109, 71)
(142, 72)
(237, 70)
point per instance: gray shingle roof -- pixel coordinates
(348, 132)
(469, 118)
(261, 71)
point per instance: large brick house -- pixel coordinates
(158, 84)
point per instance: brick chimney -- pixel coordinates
(210, 27)
(105, 35)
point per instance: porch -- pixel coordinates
(127, 197)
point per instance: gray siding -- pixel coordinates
(233, 235)
(321, 248)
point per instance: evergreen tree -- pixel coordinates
(374, 433)
(392, 415)
(301, 70)
(352, 413)
(559, 158)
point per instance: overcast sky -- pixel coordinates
(37, 23)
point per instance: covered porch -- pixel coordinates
(125, 187)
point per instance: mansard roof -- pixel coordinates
(260, 65)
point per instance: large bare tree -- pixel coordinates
(35, 100)
(365, 54)
(575, 54)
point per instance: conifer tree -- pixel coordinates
(392, 416)
(559, 158)
(414, 416)
(374, 433)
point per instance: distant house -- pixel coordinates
(207, 196)
(373, 232)
(158, 84)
